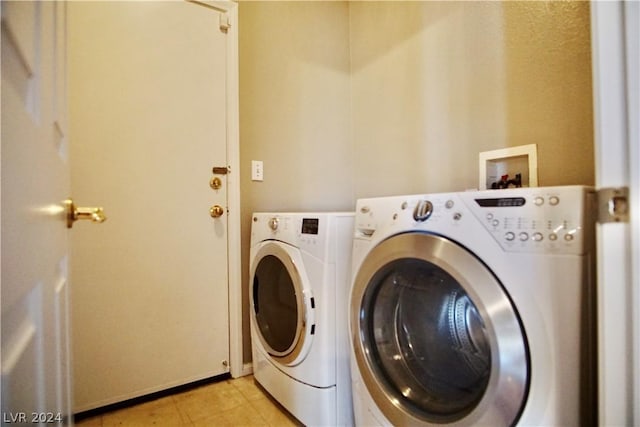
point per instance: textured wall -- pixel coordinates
(457, 78)
(549, 88)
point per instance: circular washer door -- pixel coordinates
(281, 302)
(436, 338)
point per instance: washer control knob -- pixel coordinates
(554, 200)
(523, 236)
(509, 236)
(273, 223)
(537, 237)
(539, 201)
(423, 210)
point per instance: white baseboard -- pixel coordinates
(247, 369)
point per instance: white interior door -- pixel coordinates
(35, 182)
(148, 124)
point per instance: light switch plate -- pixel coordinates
(257, 170)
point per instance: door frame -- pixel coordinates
(230, 9)
(615, 61)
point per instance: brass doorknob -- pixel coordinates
(216, 211)
(75, 213)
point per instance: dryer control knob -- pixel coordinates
(423, 210)
(273, 223)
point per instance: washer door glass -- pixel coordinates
(275, 304)
(436, 338)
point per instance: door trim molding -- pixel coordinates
(234, 263)
(233, 193)
(219, 5)
(614, 34)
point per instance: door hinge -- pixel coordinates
(225, 22)
(613, 205)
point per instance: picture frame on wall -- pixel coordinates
(510, 167)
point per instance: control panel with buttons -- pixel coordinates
(557, 220)
(305, 231)
(551, 219)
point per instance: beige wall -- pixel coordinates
(355, 99)
(294, 113)
(548, 87)
(457, 78)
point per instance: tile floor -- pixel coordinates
(233, 402)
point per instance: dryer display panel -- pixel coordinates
(310, 225)
(427, 338)
(502, 202)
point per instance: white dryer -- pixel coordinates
(300, 275)
(474, 308)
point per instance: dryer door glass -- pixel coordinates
(438, 340)
(275, 304)
(428, 339)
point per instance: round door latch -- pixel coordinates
(215, 183)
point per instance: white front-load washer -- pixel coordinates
(299, 279)
(474, 308)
